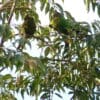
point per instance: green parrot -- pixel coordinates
(59, 23)
(68, 26)
(29, 26)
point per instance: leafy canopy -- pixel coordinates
(69, 53)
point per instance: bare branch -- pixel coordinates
(11, 12)
(39, 38)
(16, 8)
(51, 59)
(6, 4)
(2, 69)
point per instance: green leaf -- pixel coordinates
(43, 2)
(47, 50)
(93, 6)
(22, 93)
(69, 16)
(97, 39)
(17, 15)
(59, 95)
(98, 10)
(59, 7)
(45, 95)
(7, 76)
(87, 3)
(63, 1)
(5, 31)
(47, 8)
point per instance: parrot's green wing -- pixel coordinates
(59, 24)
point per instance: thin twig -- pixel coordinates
(16, 8)
(11, 12)
(51, 59)
(39, 38)
(2, 69)
(2, 41)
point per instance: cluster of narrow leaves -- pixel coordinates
(66, 60)
(95, 5)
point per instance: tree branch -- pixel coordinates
(16, 8)
(51, 59)
(39, 38)
(11, 12)
(2, 69)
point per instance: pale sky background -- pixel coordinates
(79, 12)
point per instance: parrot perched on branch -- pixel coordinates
(68, 26)
(59, 23)
(29, 26)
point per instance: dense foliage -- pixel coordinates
(69, 52)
